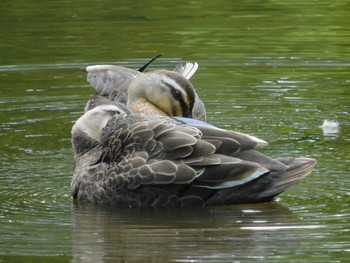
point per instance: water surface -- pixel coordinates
(274, 69)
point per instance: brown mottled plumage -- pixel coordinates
(154, 161)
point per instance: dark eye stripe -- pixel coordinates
(177, 94)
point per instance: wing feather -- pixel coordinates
(163, 152)
(105, 78)
(187, 70)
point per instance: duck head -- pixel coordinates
(87, 129)
(161, 92)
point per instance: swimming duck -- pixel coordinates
(114, 82)
(132, 160)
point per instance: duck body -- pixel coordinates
(130, 160)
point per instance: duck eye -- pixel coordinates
(176, 93)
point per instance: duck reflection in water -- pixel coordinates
(102, 234)
(140, 156)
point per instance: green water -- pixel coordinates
(274, 69)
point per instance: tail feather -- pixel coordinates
(267, 186)
(297, 170)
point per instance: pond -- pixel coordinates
(273, 69)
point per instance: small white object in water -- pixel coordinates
(330, 127)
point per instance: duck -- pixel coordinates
(114, 83)
(151, 161)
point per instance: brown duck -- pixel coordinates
(131, 160)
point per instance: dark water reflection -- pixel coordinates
(276, 70)
(212, 235)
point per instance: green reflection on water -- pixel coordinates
(52, 31)
(275, 69)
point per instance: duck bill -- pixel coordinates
(188, 114)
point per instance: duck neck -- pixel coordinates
(144, 107)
